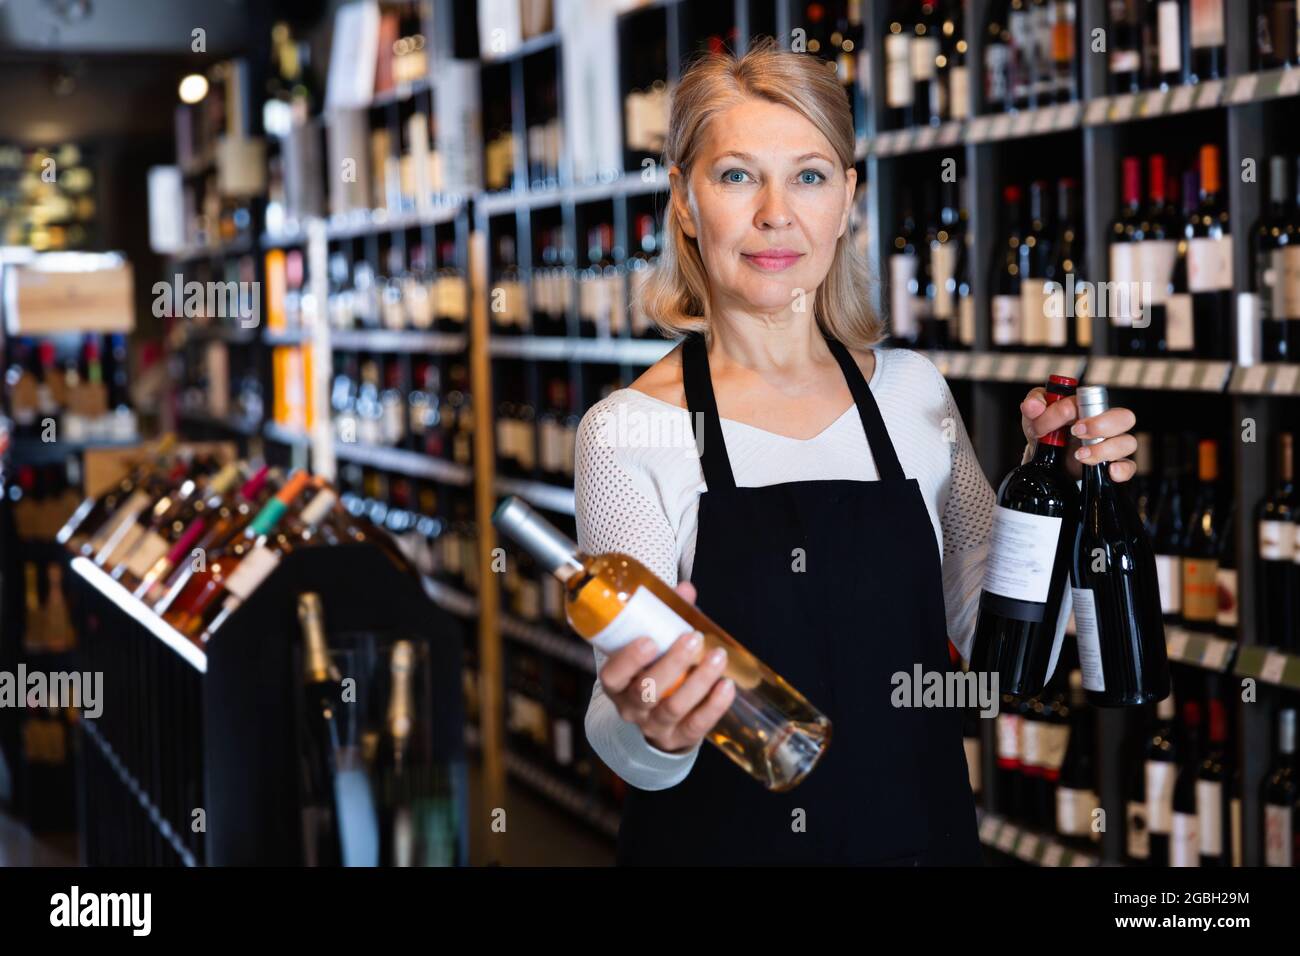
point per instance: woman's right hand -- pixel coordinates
(693, 698)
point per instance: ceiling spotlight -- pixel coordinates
(193, 88)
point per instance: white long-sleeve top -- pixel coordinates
(638, 480)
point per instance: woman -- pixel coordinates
(835, 510)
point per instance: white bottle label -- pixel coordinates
(1160, 795)
(1185, 841)
(1277, 835)
(1226, 579)
(1156, 258)
(644, 615)
(562, 731)
(898, 70)
(1169, 572)
(925, 50)
(959, 92)
(1137, 836)
(1052, 741)
(1006, 319)
(1207, 23)
(1074, 811)
(1209, 810)
(902, 272)
(1289, 277)
(151, 547)
(1031, 743)
(967, 320)
(1033, 312)
(1123, 273)
(1021, 555)
(1179, 331)
(1088, 640)
(943, 262)
(1009, 737)
(127, 511)
(252, 571)
(1170, 30)
(1209, 264)
(1276, 540)
(972, 745)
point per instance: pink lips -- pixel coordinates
(773, 260)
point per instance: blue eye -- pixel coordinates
(811, 172)
(730, 172)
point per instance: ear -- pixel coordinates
(681, 203)
(850, 186)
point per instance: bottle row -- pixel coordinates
(412, 291)
(47, 626)
(374, 402)
(193, 537)
(71, 388)
(210, 384)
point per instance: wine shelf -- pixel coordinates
(227, 423)
(1029, 846)
(1199, 650)
(285, 435)
(237, 247)
(221, 333)
(565, 648)
(627, 184)
(395, 340)
(1269, 665)
(369, 222)
(450, 599)
(1178, 375)
(28, 451)
(287, 336)
(1031, 368)
(557, 348)
(551, 497)
(410, 463)
(1266, 379)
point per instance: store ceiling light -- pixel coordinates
(193, 88)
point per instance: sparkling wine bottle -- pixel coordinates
(770, 731)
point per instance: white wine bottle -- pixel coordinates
(770, 731)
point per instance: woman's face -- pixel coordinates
(767, 201)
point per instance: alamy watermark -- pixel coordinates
(60, 689)
(922, 688)
(217, 300)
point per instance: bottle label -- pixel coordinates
(644, 615)
(1156, 258)
(1160, 795)
(1289, 277)
(1227, 581)
(252, 571)
(562, 731)
(1200, 589)
(1179, 331)
(1022, 553)
(1169, 572)
(943, 263)
(902, 273)
(1235, 823)
(1277, 540)
(1184, 841)
(1123, 273)
(972, 745)
(1074, 811)
(967, 320)
(1209, 811)
(1207, 23)
(1125, 61)
(898, 70)
(1052, 741)
(1033, 312)
(151, 547)
(1170, 33)
(127, 511)
(1006, 319)
(1009, 739)
(997, 69)
(1137, 836)
(1277, 835)
(1031, 745)
(120, 545)
(959, 92)
(1088, 640)
(1209, 264)
(925, 51)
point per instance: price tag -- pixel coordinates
(1153, 104)
(1290, 83)
(1100, 370)
(1122, 107)
(1052, 855)
(1081, 859)
(1153, 376)
(1023, 124)
(989, 828)
(1008, 837)
(1254, 378)
(1284, 379)
(1130, 371)
(982, 366)
(1098, 111)
(959, 365)
(949, 133)
(1216, 654)
(1045, 120)
(1068, 115)
(1040, 368)
(1274, 667)
(1244, 91)
(1183, 376)
(1008, 369)
(1176, 643)
(1001, 126)
(1027, 850)
(925, 138)
(979, 128)
(1210, 93)
(1180, 101)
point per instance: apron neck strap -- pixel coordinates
(707, 426)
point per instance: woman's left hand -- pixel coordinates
(1037, 418)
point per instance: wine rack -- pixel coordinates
(542, 212)
(194, 760)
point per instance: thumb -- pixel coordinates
(686, 589)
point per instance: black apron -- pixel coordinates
(893, 786)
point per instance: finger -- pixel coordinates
(1057, 415)
(1034, 404)
(705, 717)
(673, 709)
(670, 671)
(687, 590)
(626, 663)
(1112, 422)
(1112, 449)
(1122, 470)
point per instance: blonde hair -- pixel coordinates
(675, 294)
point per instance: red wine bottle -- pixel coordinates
(1185, 835)
(1276, 551)
(1212, 810)
(1118, 622)
(1125, 265)
(1201, 550)
(1161, 768)
(1279, 796)
(1007, 330)
(1076, 791)
(322, 708)
(1137, 837)
(1023, 605)
(1209, 262)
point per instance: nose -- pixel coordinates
(773, 211)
